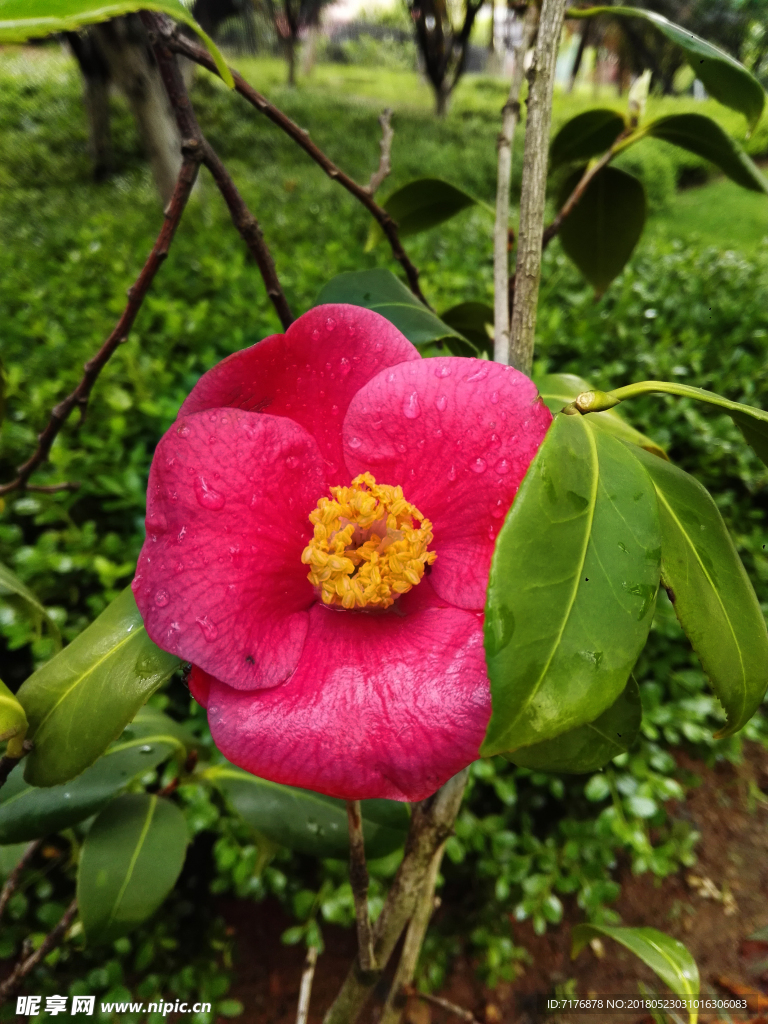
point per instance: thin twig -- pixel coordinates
(305, 991)
(25, 967)
(7, 764)
(385, 165)
(12, 881)
(510, 117)
(358, 878)
(541, 80)
(68, 485)
(136, 293)
(443, 1004)
(552, 229)
(414, 938)
(431, 824)
(160, 30)
(180, 44)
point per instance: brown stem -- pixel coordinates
(443, 1004)
(414, 938)
(69, 485)
(552, 229)
(25, 967)
(136, 293)
(431, 824)
(385, 163)
(305, 991)
(541, 80)
(7, 764)
(188, 48)
(160, 30)
(12, 881)
(358, 878)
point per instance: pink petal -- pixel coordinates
(458, 435)
(381, 705)
(309, 374)
(219, 580)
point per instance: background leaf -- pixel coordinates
(572, 587)
(723, 77)
(755, 431)
(590, 746)
(560, 389)
(28, 812)
(420, 205)
(131, 858)
(25, 19)
(470, 320)
(704, 137)
(382, 292)
(586, 135)
(83, 698)
(11, 585)
(604, 227)
(711, 592)
(666, 957)
(306, 821)
(13, 722)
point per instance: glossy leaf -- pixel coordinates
(28, 812)
(472, 320)
(667, 958)
(723, 77)
(25, 19)
(11, 586)
(13, 723)
(604, 227)
(382, 292)
(421, 205)
(755, 431)
(711, 592)
(590, 746)
(10, 857)
(704, 137)
(572, 587)
(560, 389)
(306, 821)
(586, 135)
(82, 699)
(131, 858)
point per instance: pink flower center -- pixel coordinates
(369, 545)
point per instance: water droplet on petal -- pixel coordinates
(480, 374)
(443, 370)
(498, 509)
(478, 466)
(377, 424)
(503, 467)
(183, 430)
(330, 323)
(207, 496)
(378, 347)
(334, 410)
(411, 409)
(162, 597)
(291, 462)
(495, 441)
(210, 631)
(354, 442)
(495, 398)
(344, 367)
(452, 473)
(441, 401)
(315, 337)
(182, 533)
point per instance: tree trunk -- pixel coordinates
(96, 95)
(290, 52)
(442, 96)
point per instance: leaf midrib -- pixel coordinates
(134, 859)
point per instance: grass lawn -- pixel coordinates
(719, 214)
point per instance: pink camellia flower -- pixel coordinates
(320, 523)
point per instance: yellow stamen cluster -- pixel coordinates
(367, 549)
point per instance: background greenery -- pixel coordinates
(689, 307)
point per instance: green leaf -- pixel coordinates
(666, 957)
(755, 430)
(13, 723)
(306, 821)
(28, 812)
(572, 587)
(590, 746)
(723, 77)
(381, 291)
(471, 320)
(560, 389)
(421, 205)
(24, 19)
(11, 586)
(10, 857)
(82, 699)
(710, 591)
(131, 858)
(704, 137)
(604, 227)
(586, 135)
